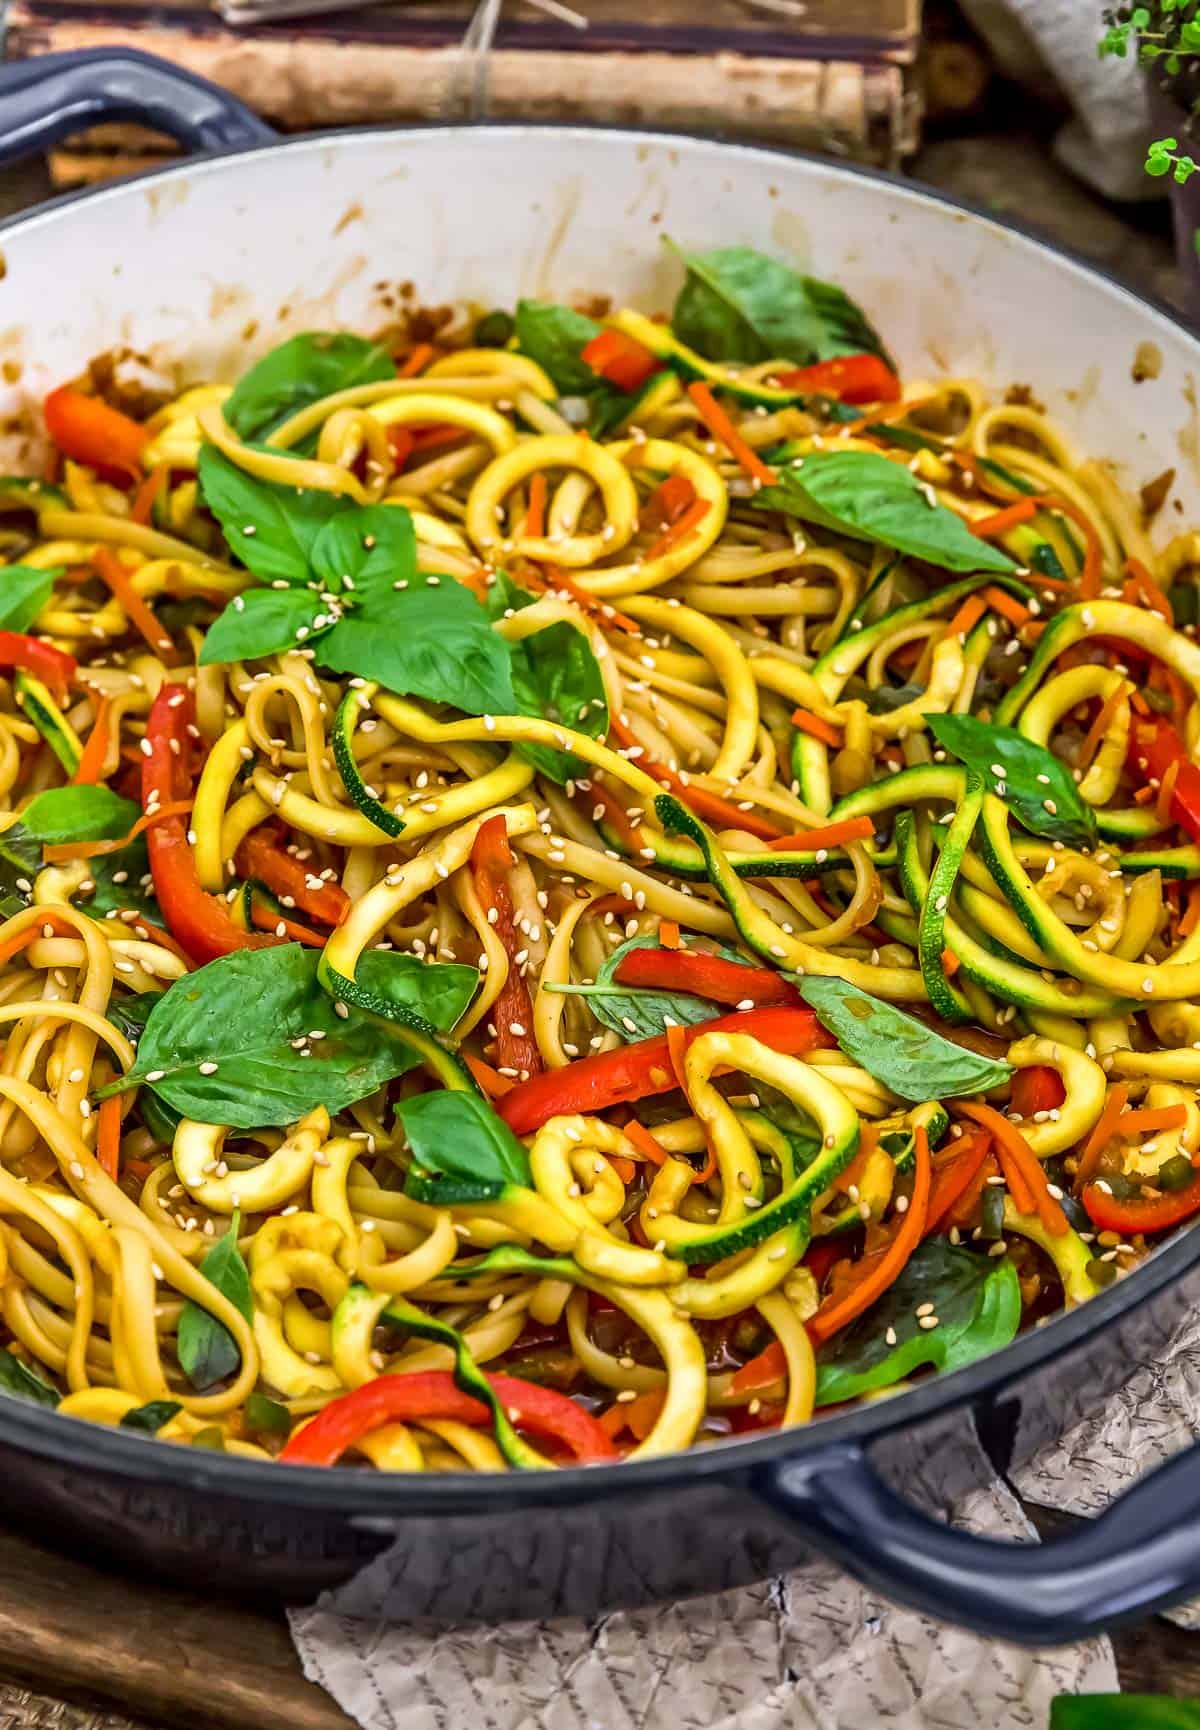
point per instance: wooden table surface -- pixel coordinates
(170, 1660)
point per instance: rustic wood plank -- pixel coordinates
(162, 1655)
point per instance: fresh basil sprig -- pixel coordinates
(741, 305)
(218, 1045)
(21, 1383)
(637, 1012)
(462, 1151)
(270, 528)
(301, 371)
(869, 498)
(913, 1060)
(1035, 785)
(151, 1417)
(205, 1347)
(556, 678)
(24, 591)
(64, 814)
(976, 1298)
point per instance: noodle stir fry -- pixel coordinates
(580, 887)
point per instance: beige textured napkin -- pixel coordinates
(814, 1651)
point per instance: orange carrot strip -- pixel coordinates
(1023, 1197)
(642, 1414)
(108, 1136)
(837, 1313)
(91, 762)
(1191, 917)
(1166, 791)
(147, 495)
(816, 728)
(724, 431)
(56, 855)
(1143, 795)
(59, 927)
(1100, 726)
(645, 1143)
(950, 963)
(1000, 601)
(967, 616)
(679, 530)
(1016, 1155)
(492, 1082)
(1160, 1117)
(831, 835)
(535, 516)
(117, 578)
(1000, 522)
(668, 934)
(1149, 590)
(416, 360)
(710, 806)
(1102, 1133)
(594, 605)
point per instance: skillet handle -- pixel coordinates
(1142, 1554)
(42, 100)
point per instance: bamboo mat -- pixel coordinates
(22, 1710)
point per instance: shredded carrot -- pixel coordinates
(1191, 917)
(1100, 726)
(954, 1175)
(613, 904)
(594, 605)
(416, 360)
(1016, 1156)
(1093, 560)
(668, 934)
(1000, 522)
(645, 1143)
(836, 1313)
(642, 1414)
(885, 416)
(724, 431)
(710, 806)
(613, 813)
(402, 445)
(680, 529)
(1143, 795)
(59, 927)
(1160, 1117)
(1166, 791)
(1147, 589)
(831, 835)
(91, 762)
(625, 1169)
(967, 616)
(490, 1080)
(1102, 1133)
(612, 1422)
(816, 728)
(667, 502)
(769, 1367)
(108, 1136)
(963, 1213)
(146, 496)
(57, 855)
(117, 578)
(535, 516)
(950, 963)
(1000, 601)
(854, 1172)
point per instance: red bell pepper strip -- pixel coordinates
(202, 925)
(849, 377)
(419, 1394)
(637, 1071)
(88, 431)
(1109, 1213)
(512, 1012)
(1153, 747)
(1038, 1088)
(619, 359)
(54, 667)
(263, 855)
(703, 975)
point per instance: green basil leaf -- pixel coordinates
(554, 336)
(205, 1347)
(897, 1049)
(505, 597)
(638, 1012)
(557, 678)
(884, 699)
(432, 640)
(301, 371)
(122, 881)
(364, 551)
(242, 1013)
(129, 1015)
(266, 1417)
(741, 305)
(152, 1417)
(284, 521)
(79, 814)
(869, 498)
(21, 1383)
(265, 622)
(461, 1150)
(20, 862)
(976, 1298)
(437, 991)
(1038, 789)
(24, 591)
(1123, 1712)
